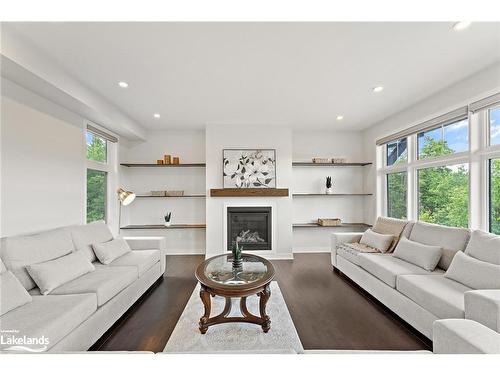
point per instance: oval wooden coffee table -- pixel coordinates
(218, 277)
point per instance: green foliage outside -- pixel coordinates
(495, 196)
(443, 191)
(96, 180)
(397, 192)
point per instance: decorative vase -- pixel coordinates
(167, 223)
(237, 261)
(329, 190)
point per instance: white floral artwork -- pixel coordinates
(249, 168)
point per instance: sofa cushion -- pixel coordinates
(387, 267)
(142, 259)
(441, 296)
(392, 226)
(348, 253)
(86, 235)
(474, 273)
(421, 255)
(378, 241)
(12, 293)
(53, 273)
(105, 281)
(20, 251)
(53, 317)
(449, 238)
(484, 246)
(107, 252)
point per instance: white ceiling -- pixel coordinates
(298, 74)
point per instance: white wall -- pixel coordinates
(477, 86)
(219, 137)
(189, 145)
(351, 209)
(42, 163)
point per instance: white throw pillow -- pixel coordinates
(424, 256)
(484, 246)
(378, 241)
(54, 273)
(12, 293)
(109, 251)
(474, 273)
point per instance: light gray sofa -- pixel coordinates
(421, 297)
(76, 314)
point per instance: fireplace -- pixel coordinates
(251, 226)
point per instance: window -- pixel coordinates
(494, 195)
(444, 140)
(98, 170)
(397, 152)
(494, 122)
(96, 195)
(96, 148)
(443, 195)
(396, 195)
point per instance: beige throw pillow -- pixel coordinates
(378, 241)
(109, 251)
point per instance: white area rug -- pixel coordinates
(235, 337)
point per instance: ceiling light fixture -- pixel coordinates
(340, 118)
(156, 115)
(123, 84)
(462, 25)
(378, 88)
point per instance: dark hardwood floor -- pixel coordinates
(328, 310)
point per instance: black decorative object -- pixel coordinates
(328, 185)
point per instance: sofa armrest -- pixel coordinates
(462, 336)
(340, 238)
(150, 243)
(483, 306)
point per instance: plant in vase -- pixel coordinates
(329, 185)
(167, 217)
(236, 250)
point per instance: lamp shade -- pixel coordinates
(125, 197)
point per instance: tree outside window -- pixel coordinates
(97, 184)
(494, 195)
(397, 186)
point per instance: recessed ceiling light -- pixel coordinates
(123, 84)
(461, 25)
(378, 88)
(156, 115)
(340, 117)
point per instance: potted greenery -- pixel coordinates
(167, 217)
(237, 259)
(329, 185)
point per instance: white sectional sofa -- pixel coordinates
(74, 315)
(424, 298)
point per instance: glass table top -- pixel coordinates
(220, 270)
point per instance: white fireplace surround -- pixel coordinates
(273, 225)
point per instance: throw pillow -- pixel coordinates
(378, 241)
(424, 256)
(109, 251)
(484, 246)
(12, 293)
(474, 273)
(54, 273)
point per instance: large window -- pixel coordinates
(444, 140)
(494, 196)
(397, 152)
(494, 122)
(397, 187)
(97, 177)
(443, 195)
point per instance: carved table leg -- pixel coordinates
(264, 297)
(205, 298)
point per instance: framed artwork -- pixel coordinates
(249, 168)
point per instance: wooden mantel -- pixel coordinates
(235, 192)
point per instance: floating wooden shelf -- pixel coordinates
(161, 226)
(172, 196)
(329, 195)
(141, 165)
(310, 164)
(235, 192)
(343, 225)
